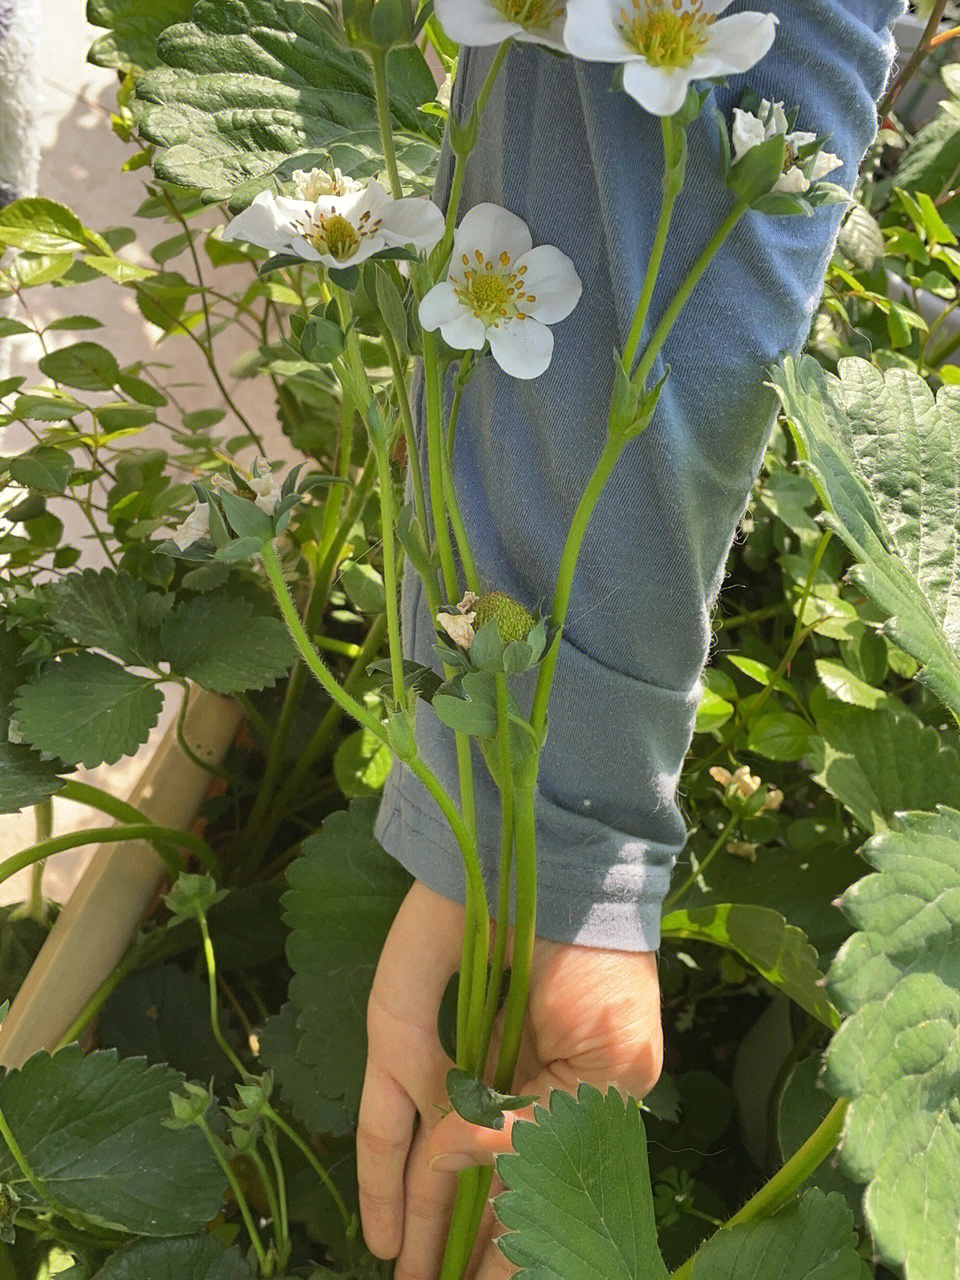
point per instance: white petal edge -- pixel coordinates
(522, 348)
(553, 281)
(740, 41)
(440, 306)
(493, 230)
(465, 332)
(474, 22)
(659, 91)
(746, 133)
(551, 36)
(414, 220)
(262, 223)
(592, 32)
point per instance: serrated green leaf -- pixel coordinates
(885, 458)
(777, 950)
(804, 1105)
(809, 1239)
(344, 893)
(194, 1258)
(221, 644)
(90, 1127)
(134, 26)
(298, 1081)
(578, 1204)
(861, 239)
(879, 762)
(847, 687)
(163, 1015)
(896, 1057)
(780, 735)
(87, 710)
(87, 366)
(25, 778)
(104, 609)
(251, 83)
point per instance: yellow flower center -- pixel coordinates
(531, 13)
(668, 33)
(341, 237)
(336, 235)
(491, 290)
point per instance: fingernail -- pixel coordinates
(452, 1162)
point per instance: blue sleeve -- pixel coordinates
(582, 165)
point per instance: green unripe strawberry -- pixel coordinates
(515, 621)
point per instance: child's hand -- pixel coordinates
(594, 1016)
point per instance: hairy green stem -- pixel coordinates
(217, 1147)
(672, 186)
(388, 527)
(164, 839)
(783, 1185)
(379, 61)
(279, 1239)
(498, 961)
(409, 430)
(315, 1165)
(210, 961)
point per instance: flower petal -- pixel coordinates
(465, 332)
(552, 281)
(660, 90)
(549, 34)
(740, 41)
(264, 222)
(367, 247)
(474, 22)
(491, 230)
(825, 162)
(414, 220)
(593, 31)
(793, 181)
(522, 348)
(747, 132)
(440, 306)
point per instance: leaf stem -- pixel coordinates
(378, 60)
(315, 1165)
(700, 868)
(781, 1188)
(217, 1147)
(162, 838)
(211, 963)
(388, 528)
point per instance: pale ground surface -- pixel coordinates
(80, 166)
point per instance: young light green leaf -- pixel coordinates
(777, 950)
(87, 710)
(879, 762)
(885, 458)
(808, 1239)
(364, 586)
(362, 764)
(578, 1204)
(78, 1118)
(219, 642)
(41, 226)
(780, 735)
(134, 25)
(43, 468)
(344, 893)
(895, 1057)
(480, 1104)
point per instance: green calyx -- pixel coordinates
(514, 619)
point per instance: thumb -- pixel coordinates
(456, 1144)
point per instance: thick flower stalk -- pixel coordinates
(666, 45)
(340, 227)
(482, 22)
(502, 291)
(806, 160)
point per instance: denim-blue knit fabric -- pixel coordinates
(582, 164)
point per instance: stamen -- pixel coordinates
(668, 33)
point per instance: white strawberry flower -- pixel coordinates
(193, 528)
(266, 486)
(500, 289)
(665, 45)
(750, 129)
(338, 230)
(481, 22)
(312, 184)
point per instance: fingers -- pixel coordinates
(384, 1133)
(428, 1200)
